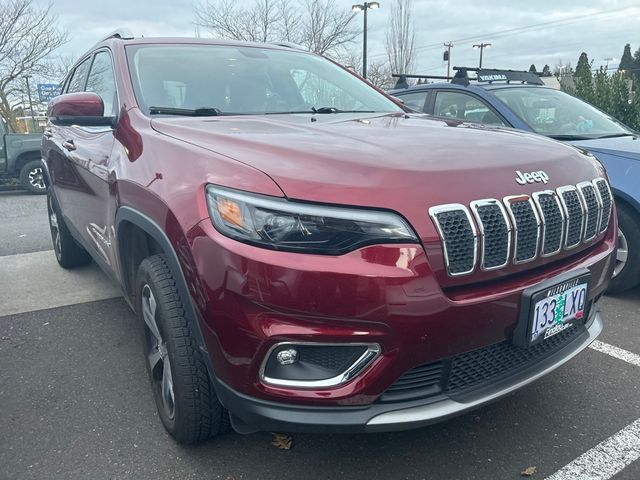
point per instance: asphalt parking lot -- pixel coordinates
(74, 399)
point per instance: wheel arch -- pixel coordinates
(26, 157)
(627, 200)
(130, 224)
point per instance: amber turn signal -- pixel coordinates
(230, 211)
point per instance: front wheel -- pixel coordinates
(186, 401)
(32, 177)
(68, 253)
(626, 273)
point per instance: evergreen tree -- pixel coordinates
(546, 71)
(532, 68)
(584, 80)
(635, 66)
(626, 62)
(583, 69)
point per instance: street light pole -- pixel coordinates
(481, 46)
(33, 118)
(363, 8)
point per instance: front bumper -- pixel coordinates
(252, 414)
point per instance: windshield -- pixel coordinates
(557, 114)
(231, 79)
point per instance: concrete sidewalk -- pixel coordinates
(35, 281)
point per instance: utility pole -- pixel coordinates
(33, 118)
(449, 46)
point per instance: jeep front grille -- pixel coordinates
(521, 228)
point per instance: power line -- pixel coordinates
(522, 29)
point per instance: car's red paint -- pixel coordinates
(248, 298)
(80, 104)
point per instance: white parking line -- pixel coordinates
(616, 352)
(605, 459)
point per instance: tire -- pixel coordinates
(182, 389)
(627, 271)
(68, 253)
(32, 177)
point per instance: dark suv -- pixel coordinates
(301, 255)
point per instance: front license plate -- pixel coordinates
(551, 307)
(554, 313)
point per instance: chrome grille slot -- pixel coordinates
(458, 236)
(592, 206)
(552, 219)
(526, 224)
(606, 201)
(495, 233)
(517, 229)
(574, 212)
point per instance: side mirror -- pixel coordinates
(85, 109)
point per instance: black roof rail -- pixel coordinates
(402, 79)
(491, 75)
(410, 75)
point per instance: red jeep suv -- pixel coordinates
(305, 255)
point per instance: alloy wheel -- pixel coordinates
(55, 228)
(36, 178)
(622, 253)
(157, 354)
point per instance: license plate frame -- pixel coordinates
(532, 295)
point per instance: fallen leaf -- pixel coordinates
(282, 441)
(527, 472)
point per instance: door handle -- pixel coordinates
(69, 145)
(48, 133)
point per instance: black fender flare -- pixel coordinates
(148, 225)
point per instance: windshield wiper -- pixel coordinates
(337, 110)
(189, 112)
(615, 135)
(570, 137)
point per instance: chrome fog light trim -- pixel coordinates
(372, 350)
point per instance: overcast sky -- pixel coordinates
(599, 27)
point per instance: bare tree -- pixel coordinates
(327, 28)
(28, 37)
(230, 20)
(400, 41)
(379, 74)
(319, 26)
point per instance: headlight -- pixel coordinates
(302, 227)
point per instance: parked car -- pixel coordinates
(20, 158)
(529, 105)
(304, 255)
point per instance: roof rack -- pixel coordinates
(402, 79)
(491, 75)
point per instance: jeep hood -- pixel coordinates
(384, 161)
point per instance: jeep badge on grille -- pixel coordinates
(530, 177)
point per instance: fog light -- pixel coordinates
(287, 357)
(316, 365)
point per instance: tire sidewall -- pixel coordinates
(629, 276)
(145, 277)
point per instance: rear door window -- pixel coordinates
(414, 100)
(465, 107)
